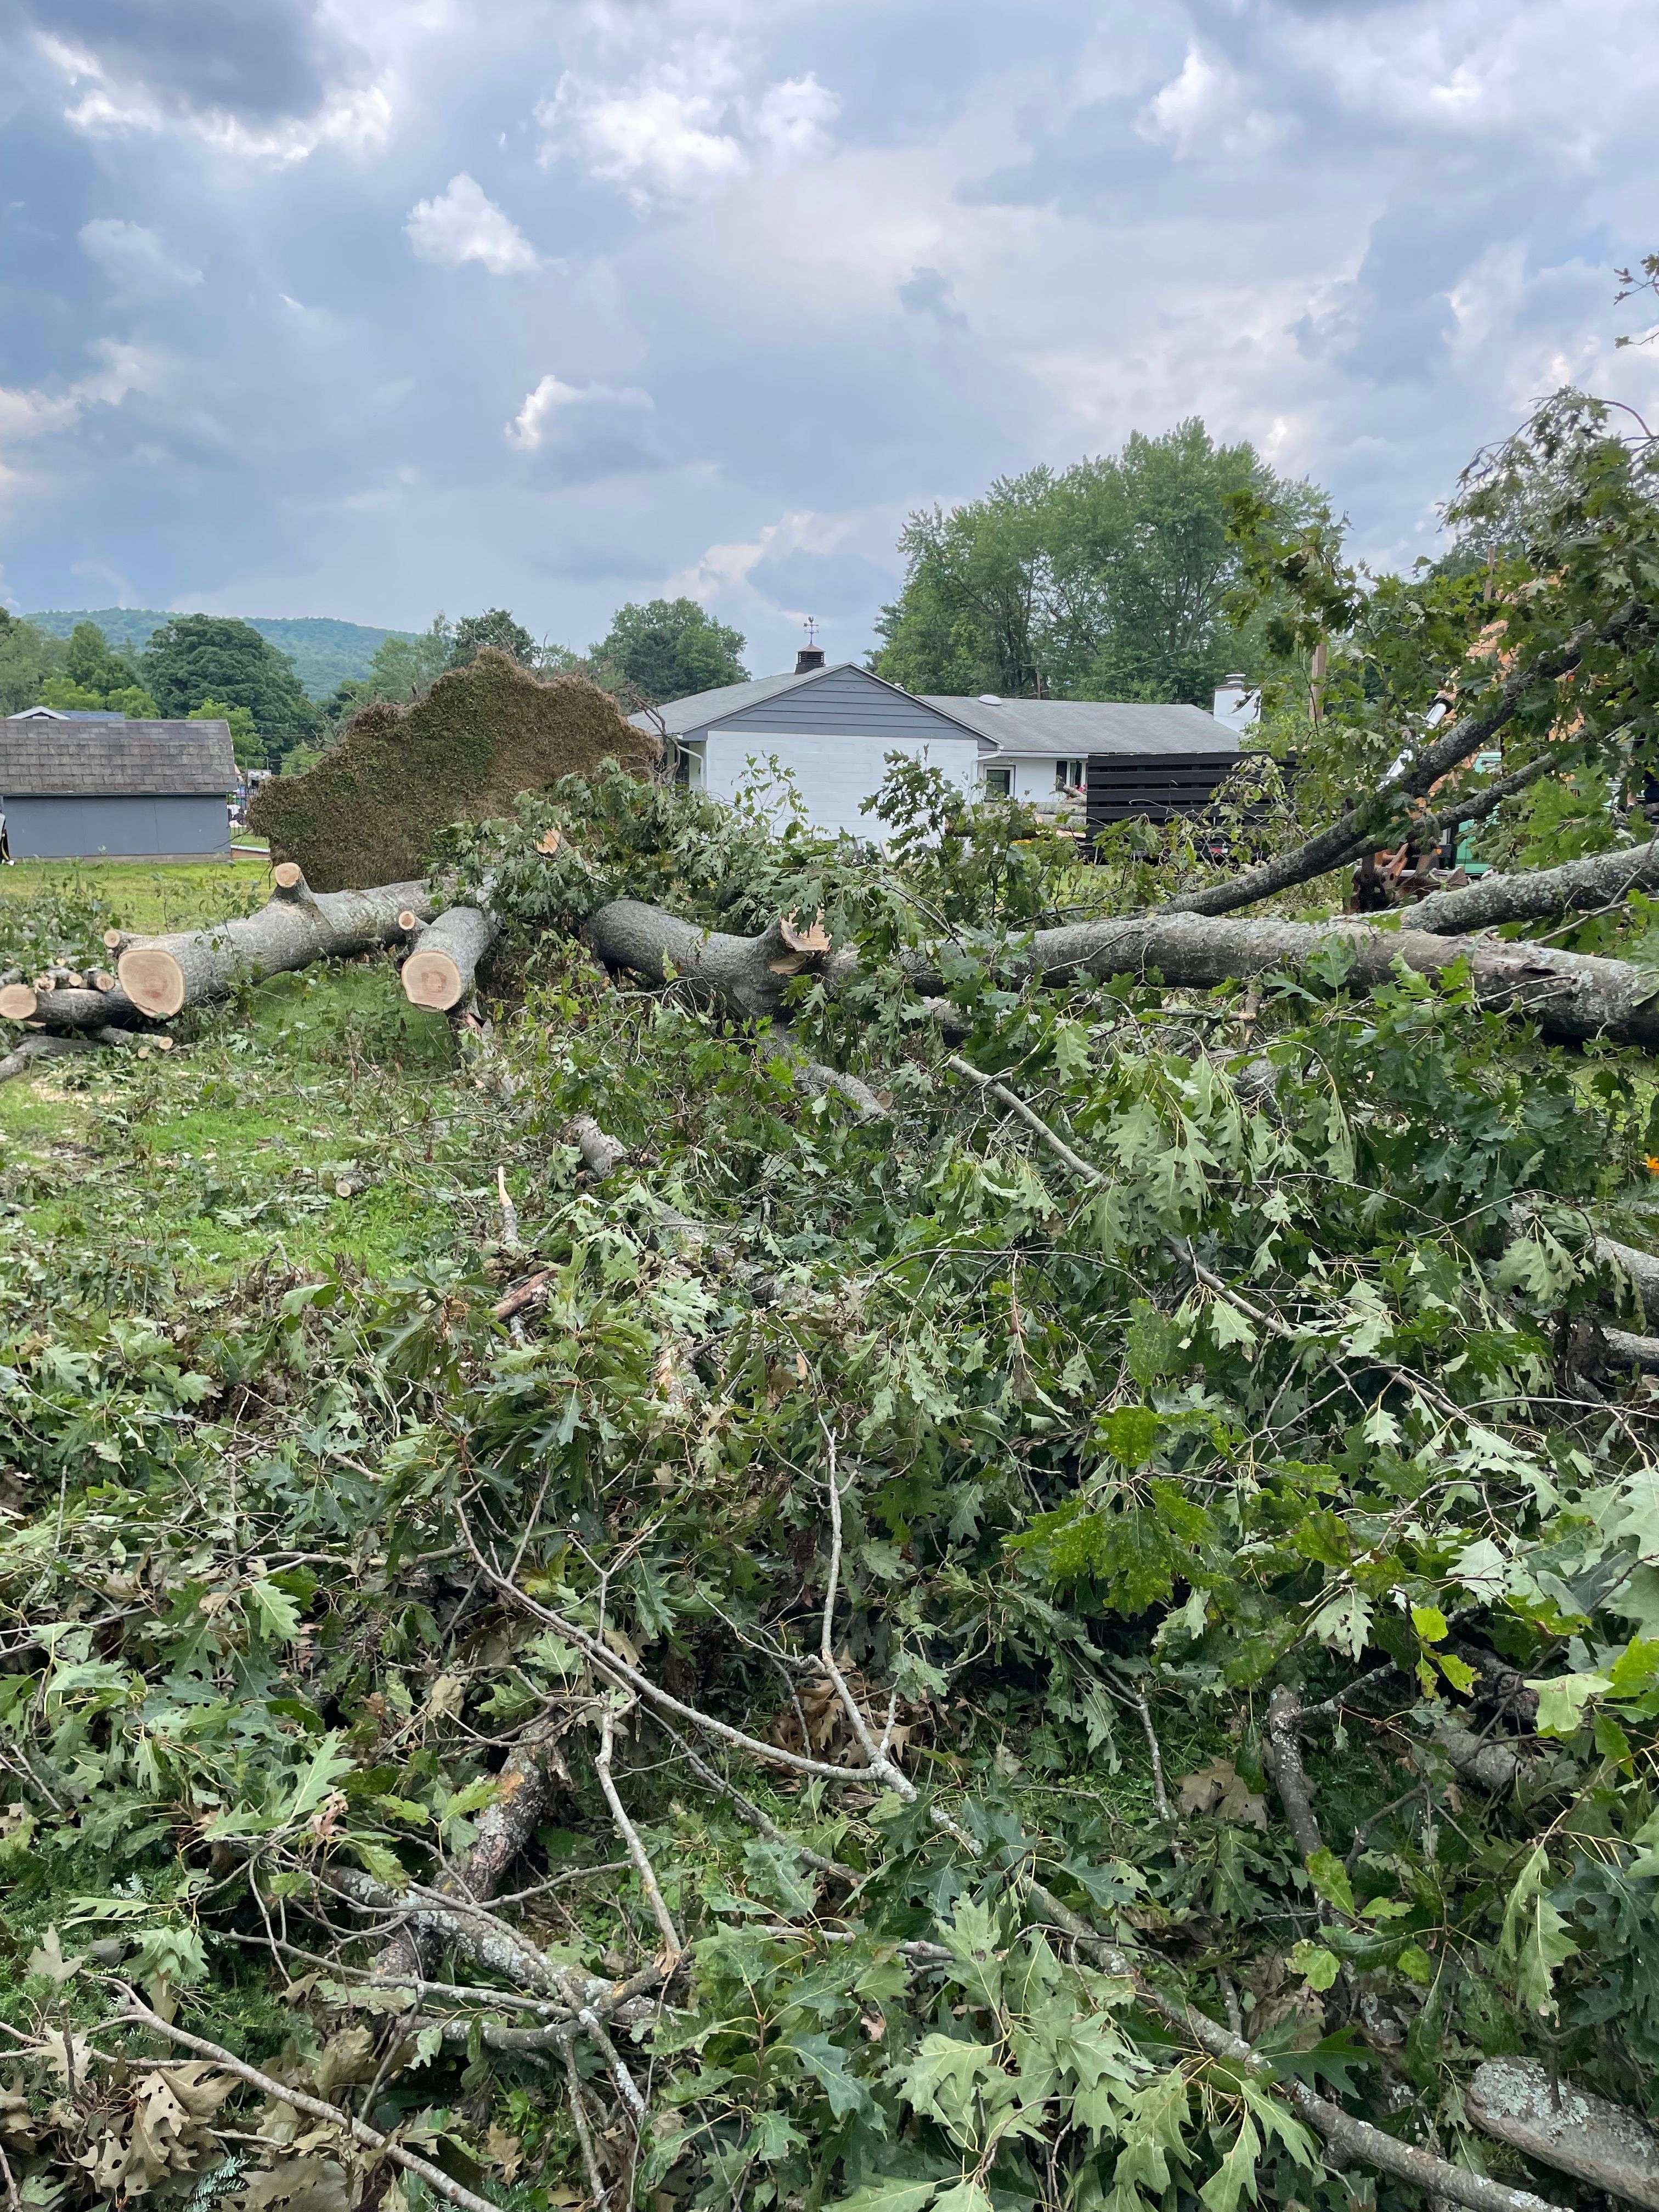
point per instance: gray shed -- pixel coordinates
(81, 790)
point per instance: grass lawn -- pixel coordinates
(144, 895)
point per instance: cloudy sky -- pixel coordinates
(369, 307)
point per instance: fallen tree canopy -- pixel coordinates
(937, 1537)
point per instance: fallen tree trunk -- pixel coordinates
(439, 973)
(1580, 887)
(1568, 994)
(1515, 2100)
(163, 974)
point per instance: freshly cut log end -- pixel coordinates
(549, 842)
(288, 876)
(18, 1002)
(102, 980)
(153, 980)
(409, 920)
(114, 940)
(432, 979)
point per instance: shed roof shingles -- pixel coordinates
(66, 760)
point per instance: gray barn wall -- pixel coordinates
(82, 828)
(843, 703)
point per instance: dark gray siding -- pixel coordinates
(843, 702)
(138, 824)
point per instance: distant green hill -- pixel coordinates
(323, 651)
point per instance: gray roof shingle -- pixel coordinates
(62, 760)
(1066, 728)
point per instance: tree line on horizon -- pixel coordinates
(1122, 576)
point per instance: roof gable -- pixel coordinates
(844, 700)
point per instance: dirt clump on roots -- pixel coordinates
(368, 812)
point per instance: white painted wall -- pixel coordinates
(833, 774)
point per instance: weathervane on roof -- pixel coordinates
(810, 626)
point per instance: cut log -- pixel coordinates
(438, 974)
(1641, 1267)
(1613, 2149)
(18, 1002)
(162, 975)
(1580, 887)
(65, 1009)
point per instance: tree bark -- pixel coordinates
(1568, 994)
(1604, 2144)
(84, 1010)
(1580, 887)
(1363, 828)
(745, 976)
(1641, 1267)
(162, 975)
(439, 973)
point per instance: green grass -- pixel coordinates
(229, 1153)
(143, 895)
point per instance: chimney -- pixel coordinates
(809, 658)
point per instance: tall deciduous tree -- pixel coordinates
(1107, 580)
(668, 648)
(495, 627)
(27, 657)
(198, 657)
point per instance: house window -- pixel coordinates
(999, 783)
(1071, 774)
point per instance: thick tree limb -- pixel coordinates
(296, 927)
(1607, 2146)
(84, 1009)
(23, 1057)
(745, 976)
(1349, 2139)
(1568, 994)
(439, 971)
(1363, 828)
(1579, 887)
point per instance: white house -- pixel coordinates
(833, 729)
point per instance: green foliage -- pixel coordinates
(194, 658)
(28, 660)
(1109, 580)
(244, 736)
(325, 652)
(1288, 1389)
(496, 627)
(668, 649)
(94, 676)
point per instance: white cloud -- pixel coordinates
(792, 119)
(463, 224)
(553, 411)
(135, 259)
(356, 119)
(1205, 111)
(27, 413)
(685, 124)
